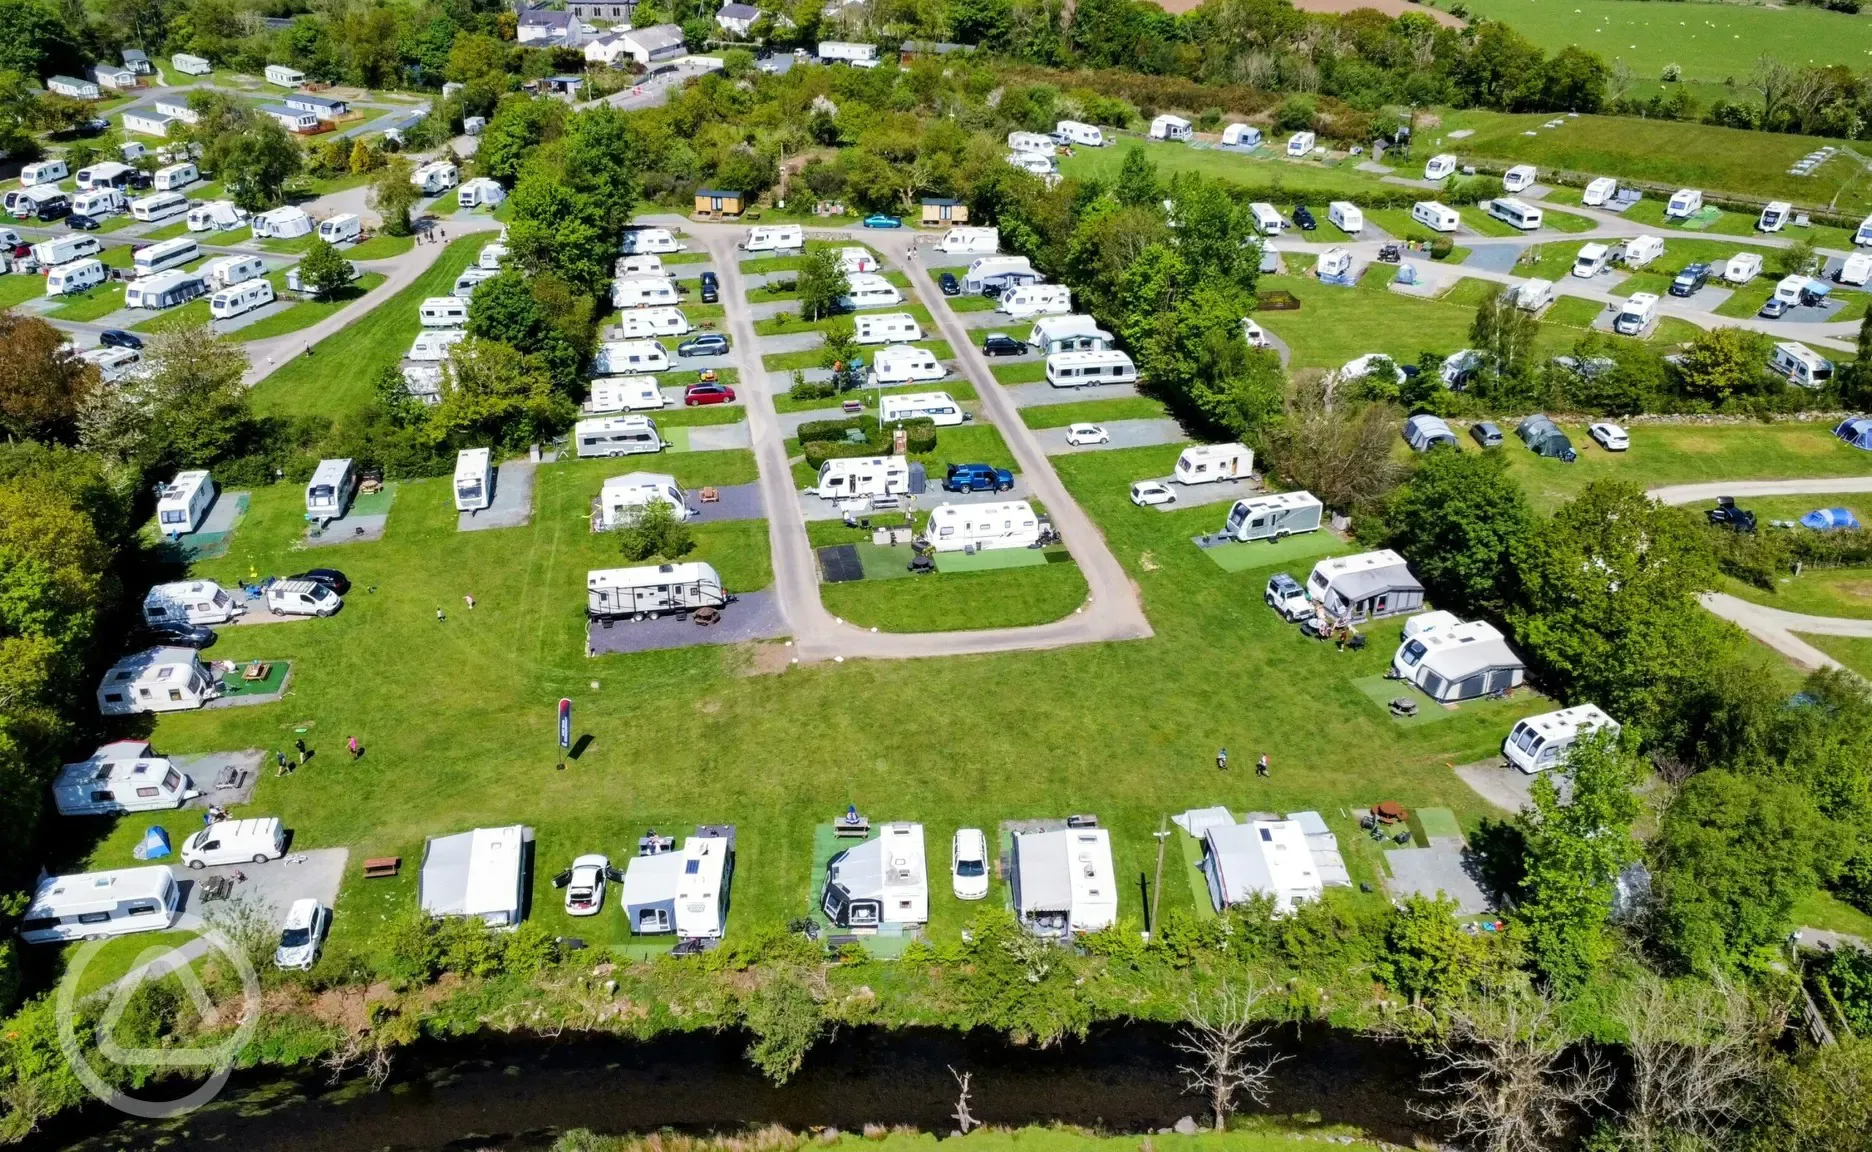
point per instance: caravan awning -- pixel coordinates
(1043, 875)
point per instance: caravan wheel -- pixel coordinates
(641, 616)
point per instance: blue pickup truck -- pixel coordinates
(977, 478)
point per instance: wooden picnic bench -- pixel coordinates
(382, 867)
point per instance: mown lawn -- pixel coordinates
(307, 312)
(1285, 180)
(1092, 412)
(953, 601)
(18, 288)
(91, 304)
(381, 247)
(1853, 651)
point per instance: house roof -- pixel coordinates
(282, 110)
(134, 55)
(316, 101)
(738, 12)
(716, 192)
(656, 37)
(940, 201)
(73, 80)
(546, 18)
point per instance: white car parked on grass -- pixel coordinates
(1610, 437)
(968, 864)
(585, 885)
(302, 935)
(1087, 434)
(1148, 492)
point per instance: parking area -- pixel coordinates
(272, 886)
(750, 616)
(513, 500)
(732, 502)
(1124, 434)
(1038, 395)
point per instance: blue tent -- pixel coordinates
(154, 846)
(1856, 431)
(1829, 519)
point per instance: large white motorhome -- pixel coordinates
(64, 249)
(1436, 217)
(1071, 333)
(962, 241)
(123, 776)
(1274, 516)
(1538, 743)
(644, 292)
(164, 289)
(774, 238)
(630, 357)
(842, 478)
(168, 254)
(905, 364)
(649, 323)
(190, 602)
(1075, 132)
(443, 312)
(96, 905)
(158, 206)
(616, 436)
(1591, 261)
(76, 277)
(1639, 310)
(474, 479)
(240, 299)
(959, 527)
(1035, 300)
(640, 593)
(622, 497)
(624, 394)
(866, 290)
(328, 493)
(887, 327)
(939, 408)
(1083, 369)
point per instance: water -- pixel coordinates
(519, 1093)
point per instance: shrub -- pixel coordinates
(836, 429)
(804, 389)
(1672, 73)
(1441, 246)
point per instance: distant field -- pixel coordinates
(1315, 182)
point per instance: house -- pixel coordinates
(324, 107)
(114, 76)
(567, 86)
(157, 680)
(479, 873)
(940, 212)
(138, 61)
(683, 892)
(177, 108)
(615, 11)
(646, 46)
(737, 18)
(72, 86)
(544, 28)
(606, 50)
(1462, 661)
(292, 121)
(148, 123)
(880, 884)
(717, 204)
(1366, 586)
(1063, 881)
(1261, 858)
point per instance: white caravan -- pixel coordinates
(639, 264)
(1034, 163)
(972, 241)
(168, 254)
(905, 364)
(1300, 143)
(939, 408)
(856, 259)
(107, 174)
(1856, 270)
(1801, 365)
(630, 357)
(1345, 216)
(216, 216)
(868, 291)
(175, 177)
(624, 394)
(1538, 743)
(282, 224)
(658, 240)
(616, 436)
(340, 228)
(774, 238)
(227, 271)
(479, 192)
(649, 323)
(1073, 333)
(1639, 311)
(474, 479)
(96, 905)
(443, 312)
(1533, 295)
(1774, 217)
(469, 280)
(1436, 217)
(1074, 132)
(1598, 191)
(979, 527)
(190, 602)
(435, 177)
(1273, 516)
(1209, 463)
(75, 277)
(1243, 136)
(64, 249)
(432, 346)
(1684, 203)
(1642, 250)
(240, 299)
(1084, 369)
(1441, 166)
(156, 680)
(112, 363)
(622, 497)
(123, 776)
(98, 203)
(158, 206)
(1267, 219)
(644, 292)
(328, 493)
(1591, 261)
(842, 478)
(491, 256)
(1030, 142)
(639, 593)
(1863, 236)
(1515, 213)
(43, 172)
(1789, 288)
(1742, 267)
(1006, 269)
(887, 327)
(1035, 300)
(163, 290)
(1519, 178)
(1168, 127)
(1334, 263)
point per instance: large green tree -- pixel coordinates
(1459, 521)
(258, 162)
(1721, 363)
(42, 385)
(822, 283)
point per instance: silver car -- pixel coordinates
(302, 935)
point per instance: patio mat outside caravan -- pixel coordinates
(827, 843)
(839, 564)
(1236, 556)
(1381, 692)
(883, 562)
(1702, 219)
(211, 541)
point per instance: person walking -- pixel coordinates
(1222, 759)
(280, 764)
(352, 746)
(439, 616)
(470, 599)
(1261, 765)
(300, 745)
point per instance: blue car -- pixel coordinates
(977, 478)
(882, 221)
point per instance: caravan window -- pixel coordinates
(1413, 652)
(93, 917)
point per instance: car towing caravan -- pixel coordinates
(97, 905)
(122, 776)
(1075, 132)
(98, 203)
(866, 290)
(182, 502)
(75, 277)
(328, 493)
(652, 590)
(983, 527)
(443, 312)
(1684, 203)
(1436, 217)
(644, 292)
(657, 240)
(649, 323)
(1209, 463)
(1035, 300)
(163, 290)
(1515, 213)
(616, 436)
(845, 478)
(939, 408)
(1537, 743)
(64, 249)
(1073, 333)
(1639, 311)
(630, 357)
(1267, 219)
(240, 299)
(1345, 216)
(905, 364)
(227, 271)
(624, 394)
(1274, 516)
(1598, 191)
(774, 238)
(190, 602)
(1084, 369)
(962, 241)
(1774, 217)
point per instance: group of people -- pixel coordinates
(1261, 765)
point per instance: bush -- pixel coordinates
(835, 430)
(804, 389)
(1441, 246)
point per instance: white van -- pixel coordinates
(1441, 166)
(302, 598)
(328, 493)
(649, 323)
(474, 479)
(175, 176)
(1598, 191)
(1684, 203)
(1345, 216)
(183, 502)
(1639, 311)
(1742, 267)
(887, 328)
(228, 271)
(624, 394)
(158, 206)
(1800, 364)
(1300, 143)
(939, 407)
(642, 292)
(1642, 250)
(1084, 369)
(94, 905)
(973, 241)
(870, 291)
(1075, 132)
(1267, 220)
(1036, 300)
(1774, 217)
(190, 602)
(630, 357)
(236, 842)
(640, 264)
(340, 228)
(648, 240)
(75, 277)
(98, 202)
(469, 280)
(616, 436)
(1436, 217)
(443, 312)
(1533, 295)
(1515, 213)
(43, 172)
(905, 364)
(1519, 178)
(1591, 261)
(240, 299)
(432, 345)
(774, 238)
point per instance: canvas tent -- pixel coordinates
(1365, 586)
(1063, 881)
(1856, 431)
(1544, 438)
(1423, 433)
(1830, 519)
(480, 873)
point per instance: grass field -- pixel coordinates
(1853, 651)
(93, 304)
(307, 312)
(19, 288)
(1286, 180)
(947, 602)
(1093, 412)
(381, 247)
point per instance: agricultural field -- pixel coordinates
(1286, 180)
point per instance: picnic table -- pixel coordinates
(382, 867)
(256, 670)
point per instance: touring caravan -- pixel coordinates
(1074, 132)
(1366, 586)
(1345, 216)
(432, 346)
(156, 680)
(881, 884)
(1863, 236)
(1855, 270)
(158, 206)
(1788, 290)
(240, 299)
(182, 502)
(480, 192)
(43, 172)
(491, 256)
(469, 280)
(649, 323)
(112, 363)
(1436, 217)
(774, 238)
(887, 327)
(1035, 300)
(1208, 463)
(215, 215)
(988, 271)
(163, 290)
(1515, 213)
(1030, 142)
(1267, 219)
(96, 905)
(166, 255)
(98, 203)
(939, 408)
(1083, 369)
(474, 479)
(104, 174)
(624, 394)
(1591, 261)
(1742, 268)
(1168, 127)
(1441, 166)
(856, 259)
(340, 228)
(868, 291)
(1463, 661)
(630, 357)
(122, 776)
(841, 478)
(1243, 136)
(282, 224)
(1062, 882)
(1335, 265)
(443, 312)
(1519, 178)
(1774, 217)
(1684, 203)
(1538, 743)
(639, 264)
(227, 271)
(190, 602)
(906, 364)
(175, 177)
(644, 292)
(971, 241)
(640, 593)
(658, 240)
(616, 436)
(76, 277)
(1073, 333)
(328, 493)
(435, 177)
(1273, 516)
(64, 249)
(1598, 191)
(1801, 365)
(980, 527)
(1533, 295)
(622, 497)
(1300, 143)
(1639, 311)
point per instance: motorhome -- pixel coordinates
(887, 328)
(43, 172)
(240, 299)
(649, 323)
(64, 249)
(1035, 300)
(1855, 270)
(1642, 250)
(1639, 311)
(1345, 216)
(254, 840)
(282, 224)
(658, 240)
(340, 228)
(624, 394)
(644, 292)
(190, 602)
(435, 177)
(443, 312)
(905, 364)
(985, 270)
(1073, 333)
(1464, 660)
(165, 255)
(1436, 217)
(1774, 217)
(479, 192)
(870, 291)
(1062, 882)
(939, 408)
(774, 238)
(1274, 516)
(1519, 178)
(980, 527)
(1083, 369)
(76, 277)
(156, 680)
(1801, 365)
(175, 177)
(642, 593)
(1788, 290)
(616, 436)
(842, 478)
(1684, 203)
(1591, 261)
(227, 271)
(882, 883)
(1209, 463)
(164, 290)
(1030, 142)
(102, 175)
(1075, 132)
(158, 206)
(1365, 586)
(1515, 213)
(181, 503)
(1168, 127)
(1441, 166)
(328, 494)
(1243, 136)
(98, 203)
(216, 215)
(622, 497)
(1267, 219)
(1742, 267)
(1538, 743)
(639, 264)
(1300, 143)
(1533, 295)
(122, 776)
(491, 256)
(469, 280)
(971, 241)
(856, 259)
(96, 905)
(432, 346)
(630, 357)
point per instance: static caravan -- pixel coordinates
(158, 206)
(190, 65)
(479, 192)
(240, 299)
(43, 172)
(72, 86)
(1208, 463)
(76, 277)
(1365, 586)
(190, 602)
(616, 436)
(1533, 295)
(1742, 267)
(1774, 217)
(474, 479)
(292, 119)
(1259, 859)
(1684, 203)
(1461, 662)
(282, 224)
(469, 280)
(1300, 143)
(183, 502)
(1274, 516)
(637, 239)
(1243, 136)
(938, 407)
(1267, 219)
(1515, 213)
(622, 497)
(1063, 881)
(649, 323)
(624, 394)
(104, 174)
(1074, 132)
(630, 357)
(164, 290)
(1598, 191)
(644, 292)
(1084, 369)
(880, 884)
(479, 875)
(870, 291)
(1441, 166)
(490, 256)
(1073, 333)
(230, 270)
(1035, 300)
(885, 327)
(123, 776)
(1168, 127)
(64, 249)
(1345, 216)
(175, 177)
(1800, 364)
(977, 527)
(1538, 743)
(443, 312)
(328, 493)
(857, 55)
(1519, 178)
(906, 364)
(216, 215)
(1436, 217)
(857, 260)
(971, 241)
(1030, 142)
(164, 256)
(94, 905)
(283, 76)
(157, 680)
(774, 238)
(98, 202)
(1642, 250)
(869, 476)
(148, 124)
(1855, 270)
(640, 264)
(340, 228)
(640, 593)
(1591, 261)
(1424, 432)
(433, 346)
(1639, 311)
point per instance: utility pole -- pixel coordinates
(1163, 835)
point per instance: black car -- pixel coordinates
(1727, 515)
(1690, 280)
(711, 288)
(330, 577)
(176, 635)
(949, 284)
(1001, 344)
(118, 338)
(82, 222)
(1303, 219)
(707, 344)
(1390, 254)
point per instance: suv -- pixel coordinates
(330, 577)
(1286, 597)
(977, 478)
(1001, 344)
(711, 288)
(707, 344)
(1692, 278)
(118, 338)
(1303, 218)
(949, 284)
(1727, 515)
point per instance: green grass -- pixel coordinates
(1287, 180)
(1845, 592)
(118, 256)
(166, 232)
(1824, 910)
(18, 288)
(949, 601)
(340, 373)
(1020, 372)
(381, 247)
(975, 303)
(295, 244)
(1093, 412)
(92, 304)
(1853, 651)
(191, 315)
(306, 313)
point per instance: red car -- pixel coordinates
(708, 394)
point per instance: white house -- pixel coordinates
(1260, 858)
(177, 107)
(148, 124)
(544, 27)
(1063, 881)
(647, 46)
(157, 680)
(114, 76)
(737, 18)
(606, 50)
(72, 86)
(479, 873)
(881, 883)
